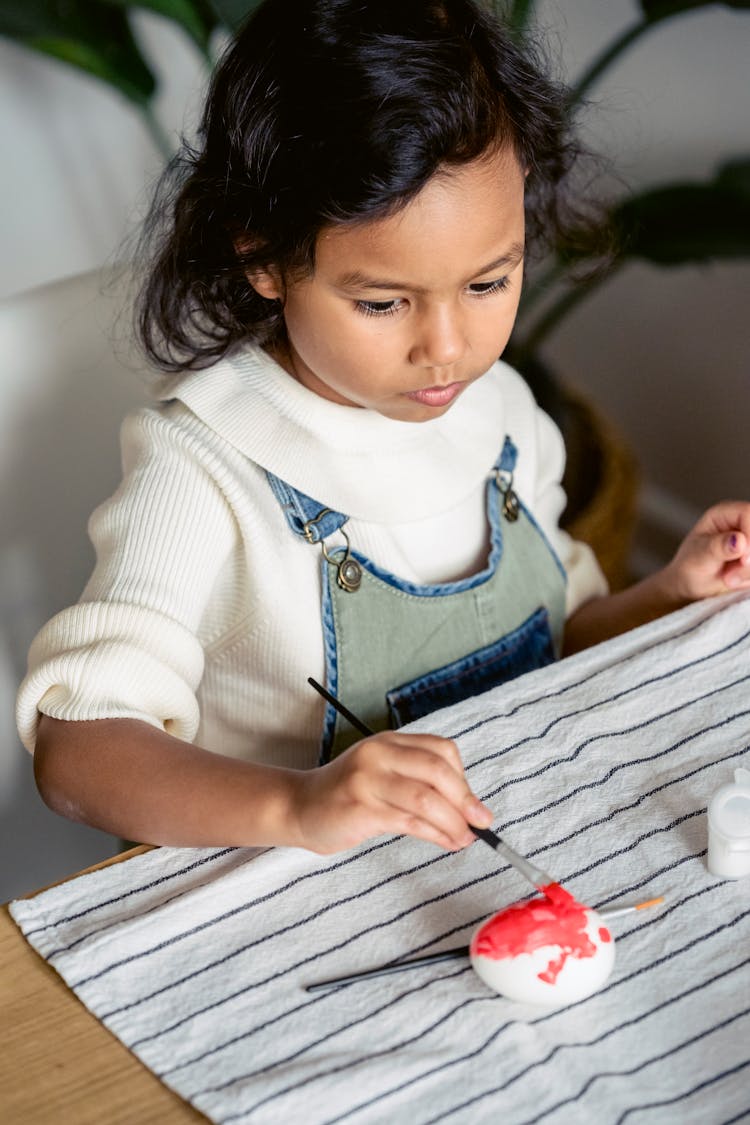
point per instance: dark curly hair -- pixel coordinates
(334, 111)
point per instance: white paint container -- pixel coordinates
(729, 828)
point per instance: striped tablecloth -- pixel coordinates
(600, 769)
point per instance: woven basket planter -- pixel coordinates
(601, 482)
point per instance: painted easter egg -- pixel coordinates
(550, 950)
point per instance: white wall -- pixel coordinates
(78, 161)
(77, 171)
(663, 352)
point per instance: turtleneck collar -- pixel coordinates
(352, 459)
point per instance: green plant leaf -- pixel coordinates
(689, 222)
(655, 10)
(83, 33)
(233, 13)
(197, 20)
(517, 15)
(734, 176)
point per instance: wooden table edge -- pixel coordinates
(57, 1061)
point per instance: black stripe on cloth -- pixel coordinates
(311, 959)
(202, 926)
(543, 1018)
(619, 894)
(589, 677)
(606, 736)
(596, 783)
(542, 1061)
(628, 1073)
(539, 736)
(394, 1048)
(352, 937)
(526, 703)
(267, 1067)
(407, 955)
(248, 905)
(743, 1116)
(692, 991)
(506, 824)
(361, 933)
(606, 818)
(550, 765)
(159, 881)
(400, 1046)
(56, 952)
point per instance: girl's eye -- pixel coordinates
(485, 288)
(378, 308)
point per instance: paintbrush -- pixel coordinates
(454, 954)
(538, 878)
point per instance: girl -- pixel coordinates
(340, 479)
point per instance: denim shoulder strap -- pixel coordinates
(305, 516)
(506, 462)
(314, 521)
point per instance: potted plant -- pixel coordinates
(666, 225)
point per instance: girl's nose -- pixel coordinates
(440, 339)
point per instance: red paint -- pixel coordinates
(557, 919)
(604, 934)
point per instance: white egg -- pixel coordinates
(541, 953)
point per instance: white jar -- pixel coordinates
(729, 828)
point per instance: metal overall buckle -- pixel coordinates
(348, 570)
(504, 480)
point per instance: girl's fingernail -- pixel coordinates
(732, 542)
(479, 814)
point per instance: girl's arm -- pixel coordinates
(134, 780)
(714, 558)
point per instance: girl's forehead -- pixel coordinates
(465, 218)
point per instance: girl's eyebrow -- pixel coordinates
(355, 279)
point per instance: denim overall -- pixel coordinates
(396, 651)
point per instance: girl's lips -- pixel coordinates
(436, 396)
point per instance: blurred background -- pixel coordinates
(657, 352)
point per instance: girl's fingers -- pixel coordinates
(437, 763)
(414, 804)
(390, 783)
(734, 545)
(427, 831)
(727, 516)
(737, 574)
(715, 556)
(730, 553)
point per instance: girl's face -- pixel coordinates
(402, 314)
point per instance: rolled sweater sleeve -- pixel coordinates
(132, 648)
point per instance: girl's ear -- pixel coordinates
(266, 282)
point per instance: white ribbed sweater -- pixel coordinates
(202, 614)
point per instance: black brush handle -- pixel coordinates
(387, 970)
(348, 715)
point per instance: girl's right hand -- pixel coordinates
(410, 784)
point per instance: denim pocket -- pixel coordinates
(527, 647)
